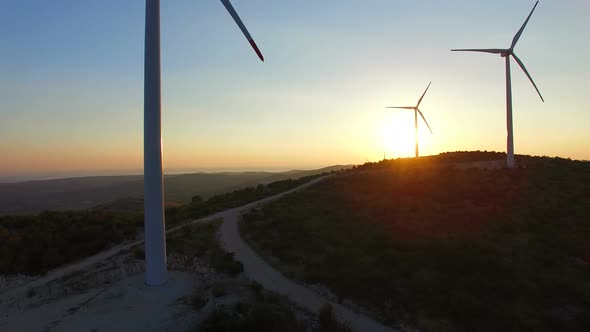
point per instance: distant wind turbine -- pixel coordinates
(416, 111)
(507, 53)
(156, 272)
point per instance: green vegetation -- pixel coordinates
(200, 240)
(269, 314)
(423, 243)
(36, 244)
(200, 208)
(266, 312)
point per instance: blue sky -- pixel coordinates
(71, 82)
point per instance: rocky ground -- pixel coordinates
(111, 296)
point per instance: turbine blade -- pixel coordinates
(236, 18)
(517, 36)
(402, 107)
(483, 50)
(423, 118)
(527, 74)
(419, 101)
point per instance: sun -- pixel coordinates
(398, 135)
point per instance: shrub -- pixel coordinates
(261, 317)
(37, 243)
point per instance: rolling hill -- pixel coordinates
(88, 192)
(454, 242)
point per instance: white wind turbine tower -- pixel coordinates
(156, 272)
(416, 111)
(507, 53)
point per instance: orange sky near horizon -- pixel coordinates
(394, 136)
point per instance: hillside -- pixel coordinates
(33, 244)
(87, 192)
(453, 242)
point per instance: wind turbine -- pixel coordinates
(156, 272)
(507, 53)
(416, 111)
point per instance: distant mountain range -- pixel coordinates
(87, 192)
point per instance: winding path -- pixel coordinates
(257, 269)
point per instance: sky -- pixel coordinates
(71, 82)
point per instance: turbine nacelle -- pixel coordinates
(507, 52)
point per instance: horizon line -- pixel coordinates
(56, 175)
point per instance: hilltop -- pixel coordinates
(453, 242)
